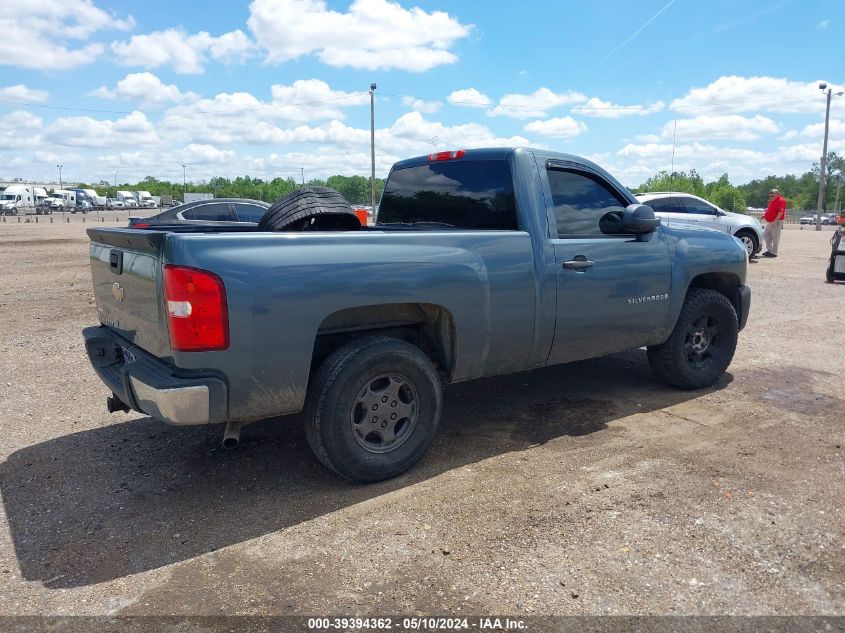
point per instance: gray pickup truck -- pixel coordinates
(481, 262)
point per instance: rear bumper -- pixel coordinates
(147, 384)
(743, 299)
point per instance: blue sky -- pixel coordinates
(268, 87)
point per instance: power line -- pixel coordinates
(267, 106)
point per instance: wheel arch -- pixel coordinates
(429, 327)
(725, 283)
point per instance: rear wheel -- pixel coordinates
(749, 241)
(701, 345)
(373, 409)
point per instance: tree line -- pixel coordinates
(801, 192)
(356, 189)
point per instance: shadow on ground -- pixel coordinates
(133, 496)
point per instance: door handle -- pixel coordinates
(579, 263)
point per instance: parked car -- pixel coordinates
(114, 203)
(807, 219)
(482, 263)
(829, 219)
(685, 208)
(214, 211)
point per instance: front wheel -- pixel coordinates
(701, 345)
(749, 241)
(373, 409)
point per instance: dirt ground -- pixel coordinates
(580, 489)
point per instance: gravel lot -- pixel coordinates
(581, 489)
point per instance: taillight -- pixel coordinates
(447, 155)
(140, 225)
(197, 313)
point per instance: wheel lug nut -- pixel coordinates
(375, 406)
(393, 417)
(384, 425)
(384, 399)
(375, 420)
(393, 404)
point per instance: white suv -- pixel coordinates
(685, 208)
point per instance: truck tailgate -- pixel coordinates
(126, 271)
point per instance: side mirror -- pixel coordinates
(640, 220)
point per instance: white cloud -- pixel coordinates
(371, 35)
(36, 34)
(595, 107)
(824, 24)
(21, 92)
(816, 130)
(81, 131)
(186, 54)
(730, 126)
(697, 151)
(735, 94)
(534, 105)
(469, 97)
(205, 154)
(422, 105)
(19, 130)
(144, 88)
(561, 127)
(312, 99)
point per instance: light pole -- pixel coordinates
(823, 162)
(115, 182)
(184, 183)
(60, 176)
(373, 147)
(302, 169)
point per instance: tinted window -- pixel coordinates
(215, 212)
(584, 205)
(460, 194)
(697, 206)
(249, 212)
(666, 205)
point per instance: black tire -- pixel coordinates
(701, 345)
(749, 237)
(310, 209)
(346, 399)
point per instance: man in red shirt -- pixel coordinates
(774, 216)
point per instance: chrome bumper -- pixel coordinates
(149, 385)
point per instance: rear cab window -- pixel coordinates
(462, 194)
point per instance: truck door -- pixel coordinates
(612, 289)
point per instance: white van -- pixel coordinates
(144, 200)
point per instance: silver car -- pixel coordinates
(685, 208)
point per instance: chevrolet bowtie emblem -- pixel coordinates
(117, 291)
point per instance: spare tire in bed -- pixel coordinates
(310, 209)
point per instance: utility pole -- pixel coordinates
(115, 181)
(302, 169)
(60, 176)
(373, 147)
(184, 183)
(823, 162)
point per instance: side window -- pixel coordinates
(666, 205)
(249, 212)
(697, 206)
(214, 212)
(584, 205)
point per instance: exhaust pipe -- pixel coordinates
(232, 434)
